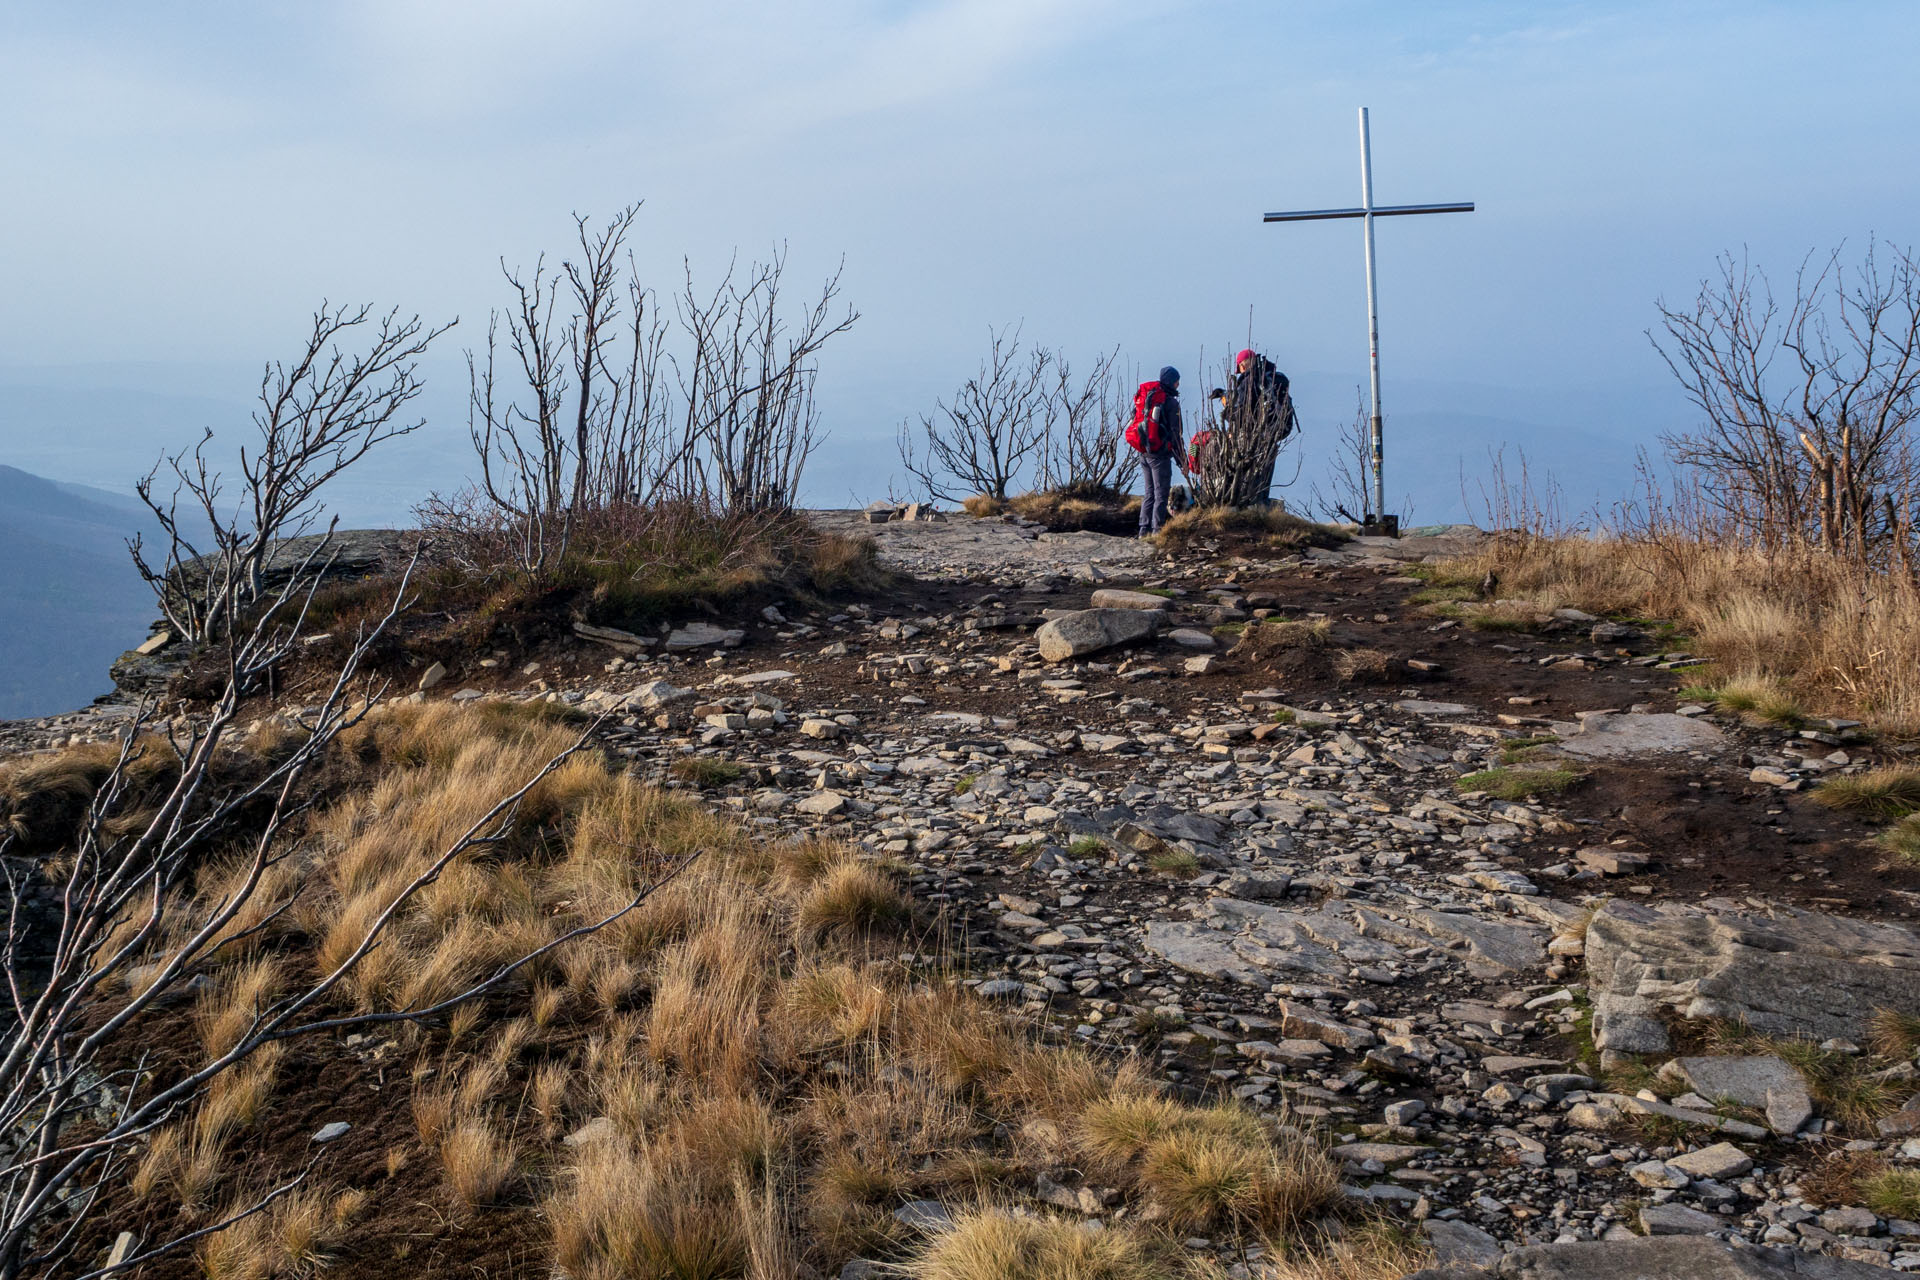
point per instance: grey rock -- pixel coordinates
(655, 694)
(1423, 707)
(929, 1216)
(613, 637)
(1404, 1112)
(823, 803)
(1850, 1221)
(1601, 737)
(1752, 1081)
(1087, 631)
(697, 635)
(1676, 1220)
(433, 675)
(1719, 1162)
(1657, 1175)
(1190, 638)
(1115, 598)
(1795, 973)
(328, 1132)
(1458, 1243)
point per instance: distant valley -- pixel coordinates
(70, 600)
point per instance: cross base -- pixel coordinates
(1380, 527)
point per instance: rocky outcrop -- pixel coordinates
(1791, 973)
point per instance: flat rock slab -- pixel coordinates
(1253, 942)
(1423, 707)
(1613, 736)
(1661, 1257)
(1764, 1081)
(1789, 973)
(696, 635)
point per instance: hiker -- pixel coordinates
(1155, 432)
(1258, 408)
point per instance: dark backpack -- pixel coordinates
(1143, 433)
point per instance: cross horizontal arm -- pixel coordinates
(1378, 211)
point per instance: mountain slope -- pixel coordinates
(70, 600)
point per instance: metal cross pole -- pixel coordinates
(1367, 212)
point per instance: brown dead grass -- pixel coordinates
(756, 1069)
(1838, 639)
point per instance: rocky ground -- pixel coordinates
(1261, 870)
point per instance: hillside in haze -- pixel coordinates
(70, 600)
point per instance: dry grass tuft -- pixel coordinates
(290, 1237)
(1902, 842)
(1896, 1034)
(1370, 1251)
(853, 900)
(626, 1214)
(1368, 666)
(1270, 637)
(479, 1164)
(995, 1245)
(1889, 792)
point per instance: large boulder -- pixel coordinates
(1087, 631)
(1115, 598)
(1791, 973)
(1673, 1257)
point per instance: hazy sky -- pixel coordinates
(188, 180)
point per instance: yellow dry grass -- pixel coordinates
(996, 1245)
(1837, 638)
(757, 1074)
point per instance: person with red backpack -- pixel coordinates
(1156, 433)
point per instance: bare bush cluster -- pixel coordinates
(599, 399)
(1808, 408)
(1026, 419)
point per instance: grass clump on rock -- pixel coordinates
(1514, 782)
(1273, 527)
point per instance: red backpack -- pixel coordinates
(1143, 433)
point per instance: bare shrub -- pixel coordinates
(995, 428)
(1348, 495)
(317, 417)
(1808, 412)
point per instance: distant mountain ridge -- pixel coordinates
(70, 599)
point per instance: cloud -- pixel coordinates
(729, 63)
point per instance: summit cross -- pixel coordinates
(1377, 521)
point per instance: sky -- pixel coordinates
(190, 180)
